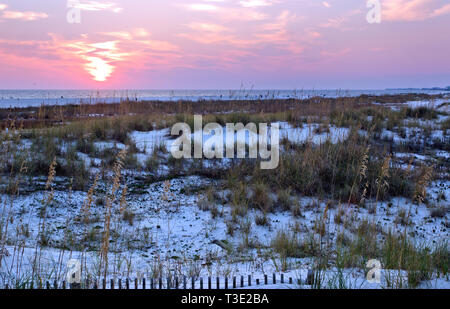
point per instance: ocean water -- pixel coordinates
(26, 98)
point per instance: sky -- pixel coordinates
(224, 44)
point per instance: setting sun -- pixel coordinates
(99, 68)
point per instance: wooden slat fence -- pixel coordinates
(172, 283)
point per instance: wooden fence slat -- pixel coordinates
(176, 283)
(249, 280)
(193, 283)
(257, 281)
(136, 284)
(184, 282)
(112, 284)
(265, 280)
(152, 284)
(209, 283)
(218, 283)
(274, 279)
(168, 283)
(160, 283)
(282, 278)
(234, 282)
(226, 283)
(201, 283)
(143, 284)
(290, 280)
(310, 277)
(127, 284)
(242, 281)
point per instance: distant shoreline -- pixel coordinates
(48, 115)
(37, 98)
(423, 89)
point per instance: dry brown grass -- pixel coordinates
(295, 109)
(110, 200)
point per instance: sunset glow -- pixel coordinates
(99, 68)
(222, 44)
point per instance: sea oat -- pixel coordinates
(123, 201)
(108, 211)
(89, 199)
(421, 185)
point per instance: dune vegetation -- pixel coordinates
(359, 178)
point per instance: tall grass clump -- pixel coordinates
(110, 200)
(346, 171)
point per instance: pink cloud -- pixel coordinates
(95, 6)
(256, 3)
(27, 16)
(273, 32)
(277, 32)
(342, 22)
(413, 10)
(216, 28)
(247, 14)
(334, 22)
(247, 11)
(441, 11)
(208, 37)
(202, 7)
